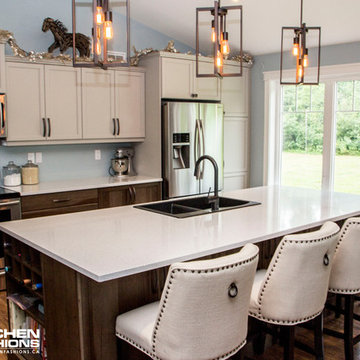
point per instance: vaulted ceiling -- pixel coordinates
(262, 22)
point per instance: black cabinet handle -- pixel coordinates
(134, 192)
(114, 126)
(44, 127)
(131, 195)
(118, 125)
(194, 95)
(49, 124)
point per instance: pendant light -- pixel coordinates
(299, 52)
(219, 38)
(102, 33)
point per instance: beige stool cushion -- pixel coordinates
(138, 325)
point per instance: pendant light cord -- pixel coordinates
(301, 13)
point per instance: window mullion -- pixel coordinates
(329, 143)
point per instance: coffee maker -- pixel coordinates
(121, 164)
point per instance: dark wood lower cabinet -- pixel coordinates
(127, 195)
(83, 200)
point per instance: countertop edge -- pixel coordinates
(64, 186)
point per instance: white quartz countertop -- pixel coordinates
(111, 243)
(80, 184)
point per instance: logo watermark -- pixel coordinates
(20, 341)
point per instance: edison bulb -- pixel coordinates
(219, 60)
(213, 34)
(108, 28)
(99, 16)
(225, 48)
(306, 59)
(295, 49)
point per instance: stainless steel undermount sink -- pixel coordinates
(183, 208)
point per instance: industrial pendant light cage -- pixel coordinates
(297, 51)
(102, 34)
(219, 36)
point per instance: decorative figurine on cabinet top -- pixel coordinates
(63, 39)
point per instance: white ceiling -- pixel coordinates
(262, 19)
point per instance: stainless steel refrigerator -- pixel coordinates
(189, 131)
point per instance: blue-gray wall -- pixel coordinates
(24, 18)
(330, 55)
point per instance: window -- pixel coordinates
(347, 159)
(312, 133)
(302, 116)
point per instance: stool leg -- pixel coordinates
(289, 340)
(338, 306)
(348, 327)
(258, 342)
(318, 337)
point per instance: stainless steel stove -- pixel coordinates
(10, 209)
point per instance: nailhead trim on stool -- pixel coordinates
(287, 322)
(172, 275)
(344, 291)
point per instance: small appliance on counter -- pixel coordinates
(10, 209)
(30, 173)
(11, 174)
(122, 163)
(3, 124)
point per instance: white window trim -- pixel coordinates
(272, 119)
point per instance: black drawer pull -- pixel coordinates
(60, 200)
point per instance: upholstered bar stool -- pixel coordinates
(293, 289)
(345, 281)
(203, 311)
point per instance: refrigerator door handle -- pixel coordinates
(203, 148)
(197, 145)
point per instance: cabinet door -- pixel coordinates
(206, 88)
(2, 70)
(25, 101)
(98, 104)
(146, 193)
(63, 102)
(130, 104)
(235, 93)
(177, 78)
(115, 196)
(236, 152)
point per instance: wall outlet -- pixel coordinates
(31, 157)
(97, 154)
(38, 157)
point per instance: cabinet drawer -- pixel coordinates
(59, 200)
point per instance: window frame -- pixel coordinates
(272, 120)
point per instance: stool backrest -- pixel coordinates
(295, 287)
(203, 311)
(345, 273)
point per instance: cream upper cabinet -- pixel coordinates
(113, 104)
(25, 102)
(206, 88)
(63, 102)
(235, 93)
(43, 103)
(179, 81)
(176, 78)
(98, 104)
(130, 104)
(2, 67)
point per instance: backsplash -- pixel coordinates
(61, 162)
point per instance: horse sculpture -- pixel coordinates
(63, 39)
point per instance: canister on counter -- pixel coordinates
(30, 173)
(11, 174)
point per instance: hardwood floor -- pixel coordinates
(333, 346)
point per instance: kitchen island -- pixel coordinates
(98, 264)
